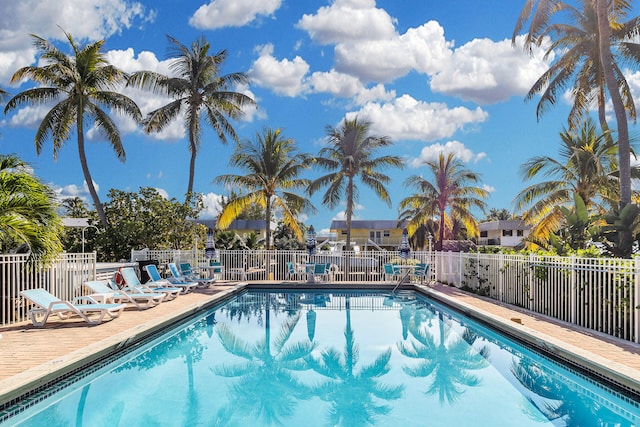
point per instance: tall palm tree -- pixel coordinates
(196, 88)
(577, 43)
(272, 167)
(592, 46)
(27, 210)
(587, 166)
(350, 156)
(83, 85)
(448, 196)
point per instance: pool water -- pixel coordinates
(331, 359)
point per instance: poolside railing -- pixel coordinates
(63, 277)
(601, 294)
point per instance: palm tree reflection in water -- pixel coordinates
(448, 361)
(266, 389)
(352, 395)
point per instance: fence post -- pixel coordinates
(636, 303)
(574, 290)
(531, 277)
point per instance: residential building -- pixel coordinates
(509, 233)
(370, 234)
(244, 227)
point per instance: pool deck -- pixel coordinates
(31, 357)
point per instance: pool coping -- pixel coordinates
(34, 379)
(616, 373)
(15, 388)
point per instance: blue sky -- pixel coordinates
(434, 76)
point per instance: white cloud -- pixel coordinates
(348, 20)
(489, 188)
(432, 152)
(84, 19)
(163, 193)
(231, 13)
(486, 72)
(212, 206)
(345, 86)
(283, 77)
(408, 118)
(423, 49)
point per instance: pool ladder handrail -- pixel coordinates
(401, 281)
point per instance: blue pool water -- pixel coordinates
(330, 359)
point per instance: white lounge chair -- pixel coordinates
(154, 274)
(142, 300)
(132, 284)
(47, 304)
(187, 274)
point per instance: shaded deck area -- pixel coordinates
(31, 357)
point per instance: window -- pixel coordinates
(343, 232)
(386, 233)
(507, 232)
(483, 234)
(520, 233)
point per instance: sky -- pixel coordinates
(434, 76)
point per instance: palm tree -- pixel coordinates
(350, 156)
(580, 57)
(84, 85)
(590, 44)
(499, 215)
(27, 210)
(448, 193)
(196, 88)
(587, 166)
(272, 167)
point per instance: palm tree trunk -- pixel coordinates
(349, 212)
(624, 155)
(86, 173)
(192, 168)
(267, 226)
(440, 231)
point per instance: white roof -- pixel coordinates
(76, 222)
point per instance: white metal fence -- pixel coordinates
(63, 277)
(602, 294)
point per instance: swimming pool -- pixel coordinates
(331, 358)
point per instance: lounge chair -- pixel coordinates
(154, 274)
(47, 304)
(132, 284)
(187, 275)
(142, 300)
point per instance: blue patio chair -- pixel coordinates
(292, 272)
(321, 271)
(391, 272)
(420, 272)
